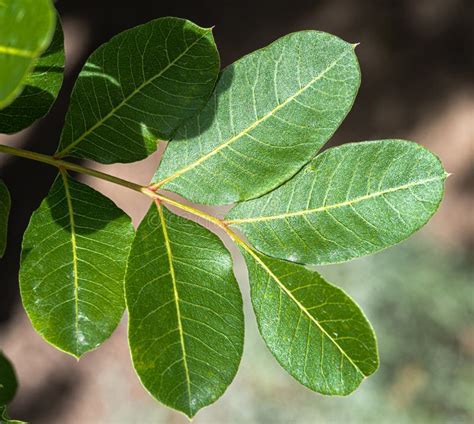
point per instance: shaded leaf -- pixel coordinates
(315, 331)
(8, 382)
(350, 201)
(137, 88)
(73, 264)
(41, 88)
(271, 111)
(186, 324)
(5, 203)
(26, 29)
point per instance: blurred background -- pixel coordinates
(417, 66)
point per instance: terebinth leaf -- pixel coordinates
(139, 88)
(73, 264)
(315, 331)
(348, 202)
(26, 29)
(270, 113)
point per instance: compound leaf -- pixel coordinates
(186, 324)
(26, 29)
(315, 331)
(5, 203)
(271, 111)
(140, 86)
(41, 88)
(73, 264)
(8, 382)
(350, 201)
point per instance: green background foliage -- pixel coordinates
(270, 113)
(41, 88)
(26, 29)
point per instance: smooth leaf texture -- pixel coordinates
(137, 88)
(26, 29)
(270, 113)
(73, 266)
(350, 201)
(186, 324)
(8, 382)
(5, 203)
(315, 331)
(41, 88)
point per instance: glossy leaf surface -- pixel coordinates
(73, 266)
(41, 88)
(5, 204)
(26, 29)
(186, 325)
(270, 113)
(138, 88)
(348, 202)
(315, 331)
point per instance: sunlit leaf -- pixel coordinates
(138, 88)
(350, 201)
(73, 266)
(271, 112)
(41, 88)
(315, 331)
(186, 325)
(26, 29)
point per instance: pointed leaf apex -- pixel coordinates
(355, 45)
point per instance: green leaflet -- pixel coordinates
(140, 86)
(26, 29)
(5, 203)
(271, 111)
(73, 264)
(41, 88)
(186, 324)
(8, 383)
(350, 201)
(315, 331)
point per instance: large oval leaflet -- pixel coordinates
(186, 323)
(73, 262)
(270, 113)
(348, 202)
(42, 87)
(138, 88)
(26, 29)
(315, 331)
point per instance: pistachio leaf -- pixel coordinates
(186, 324)
(139, 88)
(72, 272)
(350, 201)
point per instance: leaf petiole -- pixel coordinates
(65, 165)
